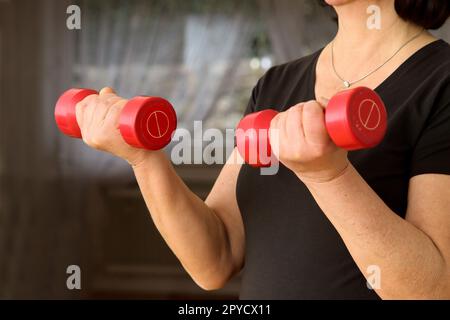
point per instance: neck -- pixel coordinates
(354, 35)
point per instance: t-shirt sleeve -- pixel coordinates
(432, 151)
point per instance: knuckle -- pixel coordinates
(101, 105)
(274, 122)
(87, 139)
(98, 141)
(92, 97)
(313, 109)
(298, 107)
(297, 112)
(120, 103)
(80, 105)
(310, 105)
(116, 107)
(109, 104)
(298, 153)
(97, 101)
(89, 100)
(318, 151)
(289, 112)
(94, 141)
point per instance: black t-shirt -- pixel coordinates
(292, 250)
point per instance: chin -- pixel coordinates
(338, 2)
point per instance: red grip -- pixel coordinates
(145, 122)
(248, 134)
(355, 119)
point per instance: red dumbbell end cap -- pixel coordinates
(148, 122)
(356, 119)
(65, 116)
(250, 133)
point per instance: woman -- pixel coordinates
(329, 218)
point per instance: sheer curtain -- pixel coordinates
(166, 48)
(186, 51)
(296, 28)
(190, 52)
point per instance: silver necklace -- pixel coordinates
(347, 84)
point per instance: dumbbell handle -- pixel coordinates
(355, 119)
(145, 122)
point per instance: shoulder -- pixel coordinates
(424, 79)
(440, 75)
(441, 55)
(443, 48)
(432, 96)
(434, 60)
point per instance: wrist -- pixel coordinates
(145, 159)
(325, 175)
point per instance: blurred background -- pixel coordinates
(62, 204)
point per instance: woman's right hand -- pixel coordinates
(98, 118)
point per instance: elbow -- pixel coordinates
(213, 283)
(217, 278)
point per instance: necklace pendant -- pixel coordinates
(347, 84)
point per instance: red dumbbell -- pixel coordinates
(145, 122)
(355, 119)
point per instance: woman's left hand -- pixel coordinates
(300, 141)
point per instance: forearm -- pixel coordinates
(410, 263)
(191, 229)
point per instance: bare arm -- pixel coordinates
(413, 254)
(208, 238)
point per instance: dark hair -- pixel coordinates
(429, 14)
